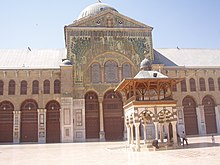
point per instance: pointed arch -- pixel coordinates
(92, 115)
(6, 121)
(29, 121)
(210, 116)
(190, 116)
(53, 122)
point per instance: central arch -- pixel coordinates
(113, 116)
(92, 115)
(29, 121)
(190, 117)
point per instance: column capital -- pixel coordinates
(100, 99)
(16, 112)
(136, 124)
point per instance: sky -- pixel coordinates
(39, 24)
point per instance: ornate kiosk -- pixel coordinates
(149, 101)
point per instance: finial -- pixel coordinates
(99, 1)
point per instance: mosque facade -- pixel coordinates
(68, 95)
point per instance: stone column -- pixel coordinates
(156, 130)
(168, 132)
(161, 132)
(217, 115)
(102, 75)
(201, 119)
(145, 132)
(102, 131)
(128, 134)
(174, 132)
(137, 132)
(16, 126)
(120, 73)
(41, 125)
(132, 133)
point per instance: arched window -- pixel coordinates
(219, 83)
(111, 72)
(1, 87)
(35, 87)
(23, 89)
(202, 84)
(211, 84)
(174, 87)
(192, 84)
(126, 70)
(95, 73)
(56, 86)
(46, 87)
(183, 86)
(11, 87)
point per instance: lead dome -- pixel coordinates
(94, 9)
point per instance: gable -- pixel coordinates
(109, 18)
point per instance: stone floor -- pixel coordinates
(200, 151)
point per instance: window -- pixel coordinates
(126, 70)
(202, 84)
(111, 72)
(11, 87)
(192, 84)
(23, 89)
(46, 87)
(183, 86)
(56, 86)
(35, 87)
(211, 84)
(95, 73)
(1, 87)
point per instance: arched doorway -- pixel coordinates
(113, 116)
(190, 117)
(92, 115)
(29, 121)
(53, 122)
(210, 117)
(6, 121)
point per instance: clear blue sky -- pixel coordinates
(40, 23)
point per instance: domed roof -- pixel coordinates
(66, 62)
(145, 64)
(94, 9)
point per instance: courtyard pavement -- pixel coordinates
(200, 151)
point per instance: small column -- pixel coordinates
(156, 130)
(102, 132)
(174, 133)
(145, 132)
(16, 126)
(168, 132)
(137, 132)
(161, 132)
(128, 134)
(41, 125)
(217, 115)
(132, 133)
(201, 119)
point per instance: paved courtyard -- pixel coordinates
(199, 151)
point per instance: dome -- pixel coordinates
(145, 64)
(94, 9)
(66, 62)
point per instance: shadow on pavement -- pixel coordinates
(201, 145)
